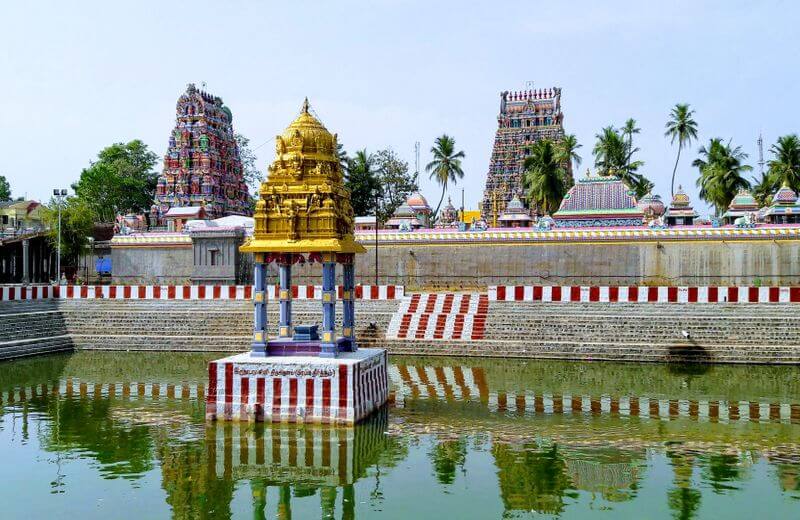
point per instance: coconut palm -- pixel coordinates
(721, 167)
(445, 166)
(544, 176)
(683, 129)
(785, 167)
(627, 131)
(612, 156)
(567, 151)
(763, 188)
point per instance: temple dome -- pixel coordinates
(744, 200)
(404, 210)
(515, 205)
(785, 196)
(680, 199)
(418, 201)
(308, 136)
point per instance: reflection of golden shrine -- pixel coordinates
(304, 215)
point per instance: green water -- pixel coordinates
(108, 435)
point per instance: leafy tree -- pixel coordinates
(568, 151)
(77, 222)
(763, 188)
(614, 156)
(341, 153)
(395, 181)
(544, 177)
(683, 129)
(785, 167)
(628, 131)
(122, 180)
(252, 175)
(721, 167)
(363, 182)
(445, 166)
(5, 189)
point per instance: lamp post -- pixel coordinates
(59, 194)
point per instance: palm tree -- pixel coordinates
(785, 167)
(763, 188)
(628, 130)
(445, 166)
(682, 128)
(721, 167)
(612, 156)
(544, 176)
(567, 152)
(341, 154)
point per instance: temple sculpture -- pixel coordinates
(303, 214)
(202, 167)
(785, 208)
(525, 117)
(680, 211)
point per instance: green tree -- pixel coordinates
(5, 189)
(252, 175)
(445, 167)
(763, 188)
(395, 181)
(121, 180)
(614, 156)
(544, 176)
(721, 167)
(344, 160)
(629, 129)
(363, 182)
(785, 167)
(447, 456)
(77, 222)
(682, 128)
(567, 149)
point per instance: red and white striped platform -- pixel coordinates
(440, 316)
(182, 292)
(643, 294)
(340, 390)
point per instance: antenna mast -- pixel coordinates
(760, 143)
(416, 157)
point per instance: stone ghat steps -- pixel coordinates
(642, 309)
(34, 346)
(673, 353)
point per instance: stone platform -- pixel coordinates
(340, 390)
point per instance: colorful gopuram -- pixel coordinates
(515, 215)
(742, 204)
(599, 202)
(202, 166)
(785, 208)
(525, 117)
(680, 211)
(303, 215)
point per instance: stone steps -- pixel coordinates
(34, 346)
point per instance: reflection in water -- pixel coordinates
(468, 438)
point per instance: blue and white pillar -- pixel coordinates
(285, 297)
(328, 347)
(259, 345)
(348, 302)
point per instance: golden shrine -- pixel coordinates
(303, 205)
(303, 214)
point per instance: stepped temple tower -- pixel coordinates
(202, 167)
(303, 214)
(525, 117)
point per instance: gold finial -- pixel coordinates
(305, 105)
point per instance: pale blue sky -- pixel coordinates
(77, 76)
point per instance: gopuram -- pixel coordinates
(525, 117)
(202, 167)
(303, 215)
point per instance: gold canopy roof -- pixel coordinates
(303, 206)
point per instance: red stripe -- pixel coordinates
(35, 292)
(501, 292)
(156, 292)
(142, 292)
(112, 291)
(613, 294)
(232, 292)
(633, 294)
(245, 391)
(212, 383)
(374, 292)
(575, 293)
(652, 294)
(248, 292)
(537, 293)
(98, 291)
(339, 292)
(672, 294)
(295, 291)
(309, 397)
(390, 292)
(310, 292)
(70, 292)
(359, 292)
(326, 396)
(774, 294)
(201, 292)
(292, 396)
(260, 390)
(752, 294)
(519, 293)
(170, 292)
(594, 294)
(343, 391)
(276, 398)
(216, 291)
(187, 292)
(713, 294)
(733, 294)
(84, 291)
(692, 295)
(555, 293)
(57, 291)
(228, 383)
(794, 294)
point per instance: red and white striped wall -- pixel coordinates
(468, 384)
(182, 292)
(343, 390)
(440, 316)
(644, 294)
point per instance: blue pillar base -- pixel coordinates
(328, 350)
(258, 350)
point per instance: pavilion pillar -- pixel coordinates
(328, 347)
(26, 259)
(259, 345)
(285, 295)
(348, 302)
